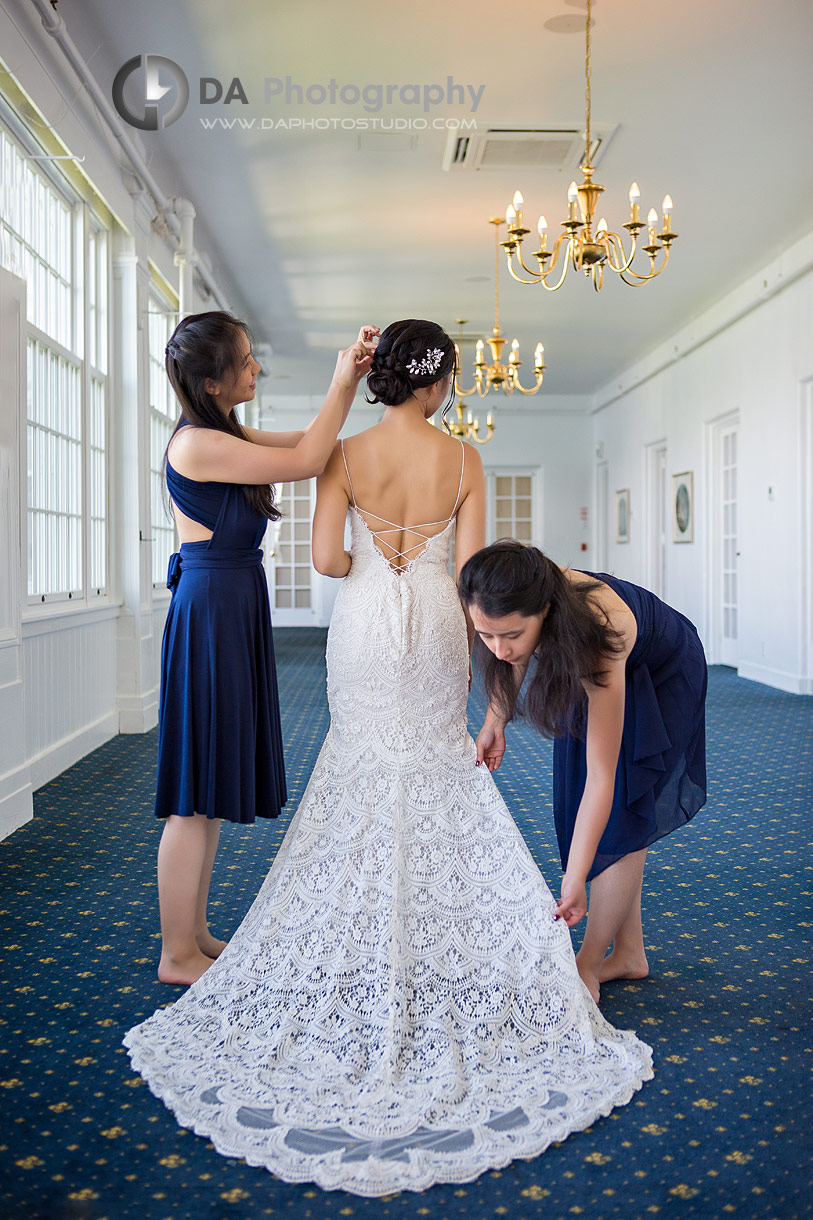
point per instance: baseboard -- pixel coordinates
(16, 804)
(57, 758)
(138, 713)
(794, 684)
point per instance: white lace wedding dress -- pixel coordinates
(398, 1007)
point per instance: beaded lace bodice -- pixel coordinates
(398, 1007)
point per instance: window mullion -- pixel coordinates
(82, 231)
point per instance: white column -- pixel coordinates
(186, 257)
(137, 646)
(16, 805)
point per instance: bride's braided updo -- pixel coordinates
(410, 354)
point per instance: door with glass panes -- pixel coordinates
(512, 504)
(288, 556)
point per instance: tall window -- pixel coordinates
(54, 243)
(163, 415)
(97, 344)
(54, 453)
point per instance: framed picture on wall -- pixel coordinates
(622, 515)
(683, 507)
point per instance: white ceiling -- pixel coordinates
(312, 235)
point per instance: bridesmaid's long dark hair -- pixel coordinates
(575, 643)
(207, 345)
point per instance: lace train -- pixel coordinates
(398, 1007)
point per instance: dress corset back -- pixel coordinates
(398, 640)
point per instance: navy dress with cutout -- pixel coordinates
(219, 739)
(660, 782)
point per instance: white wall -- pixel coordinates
(753, 354)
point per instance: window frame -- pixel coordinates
(82, 220)
(158, 294)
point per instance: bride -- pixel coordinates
(399, 1006)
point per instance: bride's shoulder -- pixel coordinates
(358, 440)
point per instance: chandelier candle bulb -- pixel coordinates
(572, 202)
(478, 359)
(510, 216)
(635, 198)
(602, 227)
(517, 203)
(652, 224)
(514, 357)
(489, 420)
(539, 357)
(470, 419)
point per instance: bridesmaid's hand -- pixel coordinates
(491, 745)
(355, 361)
(572, 906)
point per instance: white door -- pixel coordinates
(728, 545)
(656, 518)
(288, 556)
(723, 535)
(599, 563)
(806, 564)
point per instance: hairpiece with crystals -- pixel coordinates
(429, 364)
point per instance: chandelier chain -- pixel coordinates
(587, 157)
(496, 276)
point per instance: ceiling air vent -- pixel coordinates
(522, 148)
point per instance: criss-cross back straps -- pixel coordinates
(394, 527)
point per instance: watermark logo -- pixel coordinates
(156, 68)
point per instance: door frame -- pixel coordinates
(657, 517)
(713, 532)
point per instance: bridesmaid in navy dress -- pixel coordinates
(619, 682)
(220, 747)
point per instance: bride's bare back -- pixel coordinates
(401, 542)
(407, 480)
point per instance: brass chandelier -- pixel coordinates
(581, 246)
(464, 426)
(496, 375)
(493, 376)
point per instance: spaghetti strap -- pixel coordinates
(460, 484)
(347, 472)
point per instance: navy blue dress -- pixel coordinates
(219, 740)
(660, 782)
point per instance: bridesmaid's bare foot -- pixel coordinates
(210, 945)
(590, 980)
(182, 972)
(618, 966)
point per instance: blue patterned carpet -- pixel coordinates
(723, 1130)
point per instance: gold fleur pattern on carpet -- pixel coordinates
(723, 1130)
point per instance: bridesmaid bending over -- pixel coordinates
(219, 741)
(619, 682)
